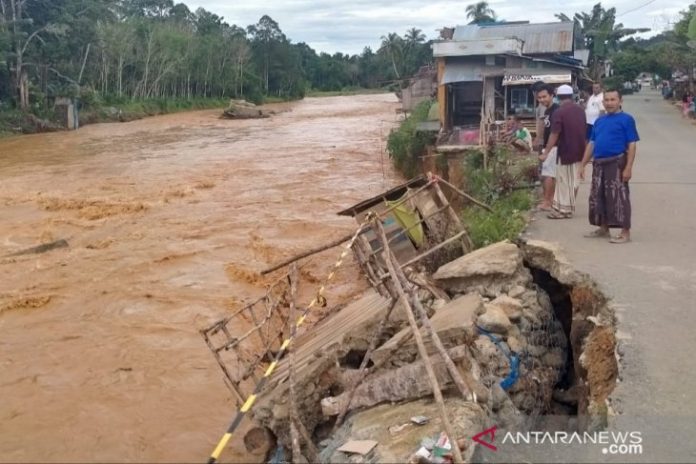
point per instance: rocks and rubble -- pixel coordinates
(242, 109)
(513, 343)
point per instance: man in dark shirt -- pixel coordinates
(568, 130)
(548, 167)
(613, 148)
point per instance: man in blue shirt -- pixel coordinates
(613, 147)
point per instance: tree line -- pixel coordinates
(113, 50)
(116, 50)
(671, 51)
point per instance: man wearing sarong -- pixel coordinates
(568, 131)
(612, 148)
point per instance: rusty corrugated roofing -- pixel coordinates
(392, 194)
(538, 38)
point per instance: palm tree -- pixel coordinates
(392, 44)
(414, 36)
(413, 50)
(480, 13)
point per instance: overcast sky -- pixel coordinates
(349, 25)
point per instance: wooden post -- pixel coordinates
(390, 260)
(506, 105)
(467, 196)
(464, 389)
(482, 125)
(442, 93)
(313, 251)
(467, 244)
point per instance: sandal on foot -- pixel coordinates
(558, 215)
(619, 239)
(598, 233)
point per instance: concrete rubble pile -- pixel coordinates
(518, 354)
(242, 109)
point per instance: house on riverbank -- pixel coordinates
(485, 73)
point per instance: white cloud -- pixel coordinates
(347, 27)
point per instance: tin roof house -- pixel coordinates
(485, 73)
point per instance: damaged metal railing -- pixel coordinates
(238, 360)
(261, 383)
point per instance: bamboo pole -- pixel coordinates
(427, 326)
(313, 251)
(294, 433)
(466, 195)
(434, 249)
(348, 237)
(449, 430)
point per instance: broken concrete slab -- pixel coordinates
(501, 258)
(489, 271)
(549, 257)
(453, 323)
(405, 383)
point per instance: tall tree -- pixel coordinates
(24, 31)
(480, 13)
(265, 37)
(392, 46)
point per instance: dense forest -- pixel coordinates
(117, 50)
(114, 51)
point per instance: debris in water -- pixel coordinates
(40, 248)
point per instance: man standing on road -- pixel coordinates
(539, 113)
(548, 166)
(594, 107)
(568, 129)
(613, 147)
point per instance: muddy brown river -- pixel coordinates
(168, 221)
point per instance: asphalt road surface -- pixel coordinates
(652, 282)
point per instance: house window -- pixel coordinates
(519, 98)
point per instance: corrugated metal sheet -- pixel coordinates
(538, 38)
(477, 47)
(462, 72)
(369, 309)
(467, 72)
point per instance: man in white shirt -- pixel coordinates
(594, 107)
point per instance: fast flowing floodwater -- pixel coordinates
(168, 221)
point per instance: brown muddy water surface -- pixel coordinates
(168, 219)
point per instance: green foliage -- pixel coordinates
(599, 32)
(661, 54)
(630, 63)
(480, 13)
(506, 172)
(504, 185)
(405, 144)
(154, 49)
(506, 221)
